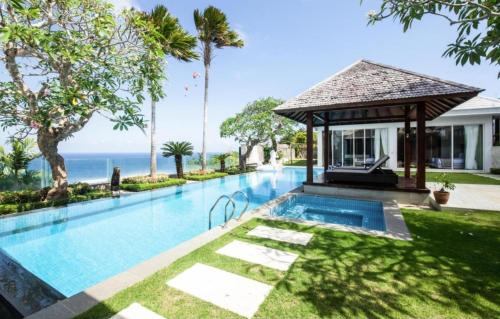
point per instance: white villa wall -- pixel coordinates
(459, 118)
(495, 157)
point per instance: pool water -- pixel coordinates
(75, 247)
(332, 210)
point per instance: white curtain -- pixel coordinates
(384, 137)
(381, 142)
(471, 141)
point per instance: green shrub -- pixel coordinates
(234, 170)
(149, 186)
(495, 171)
(18, 197)
(8, 209)
(145, 179)
(204, 177)
(80, 188)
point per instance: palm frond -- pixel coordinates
(172, 148)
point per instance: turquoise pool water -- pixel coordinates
(76, 247)
(326, 209)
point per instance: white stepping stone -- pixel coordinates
(224, 289)
(284, 235)
(257, 254)
(136, 311)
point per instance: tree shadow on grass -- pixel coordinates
(444, 272)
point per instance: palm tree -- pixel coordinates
(178, 150)
(214, 33)
(21, 155)
(175, 42)
(222, 159)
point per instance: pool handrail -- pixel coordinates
(229, 200)
(244, 209)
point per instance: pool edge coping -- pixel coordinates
(90, 297)
(394, 222)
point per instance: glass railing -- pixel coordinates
(98, 168)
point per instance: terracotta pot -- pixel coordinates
(441, 197)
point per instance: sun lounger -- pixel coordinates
(371, 175)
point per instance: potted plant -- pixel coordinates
(445, 185)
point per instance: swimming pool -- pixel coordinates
(75, 247)
(349, 212)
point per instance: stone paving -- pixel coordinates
(475, 196)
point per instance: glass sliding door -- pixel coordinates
(370, 146)
(337, 148)
(468, 147)
(359, 148)
(348, 150)
(438, 147)
(448, 147)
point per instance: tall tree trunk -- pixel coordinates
(274, 144)
(205, 121)
(48, 144)
(178, 166)
(153, 156)
(222, 165)
(246, 156)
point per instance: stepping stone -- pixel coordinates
(272, 258)
(136, 311)
(224, 289)
(284, 235)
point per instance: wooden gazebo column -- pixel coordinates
(326, 142)
(309, 145)
(421, 145)
(407, 144)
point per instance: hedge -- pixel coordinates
(204, 177)
(149, 186)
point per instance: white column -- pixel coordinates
(487, 144)
(319, 145)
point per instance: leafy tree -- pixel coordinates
(178, 150)
(175, 42)
(257, 124)
(80, 60)
(214, 32)
(275, 125)
(477, 21)
(221, 158)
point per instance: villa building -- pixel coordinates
(464, 138)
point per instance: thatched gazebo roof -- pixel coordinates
(369, 92)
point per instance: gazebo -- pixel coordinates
(369, 92)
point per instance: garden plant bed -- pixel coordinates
(138, 187)
(21, 201)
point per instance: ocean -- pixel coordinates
(98, 167)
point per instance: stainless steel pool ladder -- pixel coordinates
(244, 209)
(230, 200)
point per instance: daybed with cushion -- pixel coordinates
(371, 175)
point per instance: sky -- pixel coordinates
(290, 45)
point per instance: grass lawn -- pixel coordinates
(459, 178)
(443, 273)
